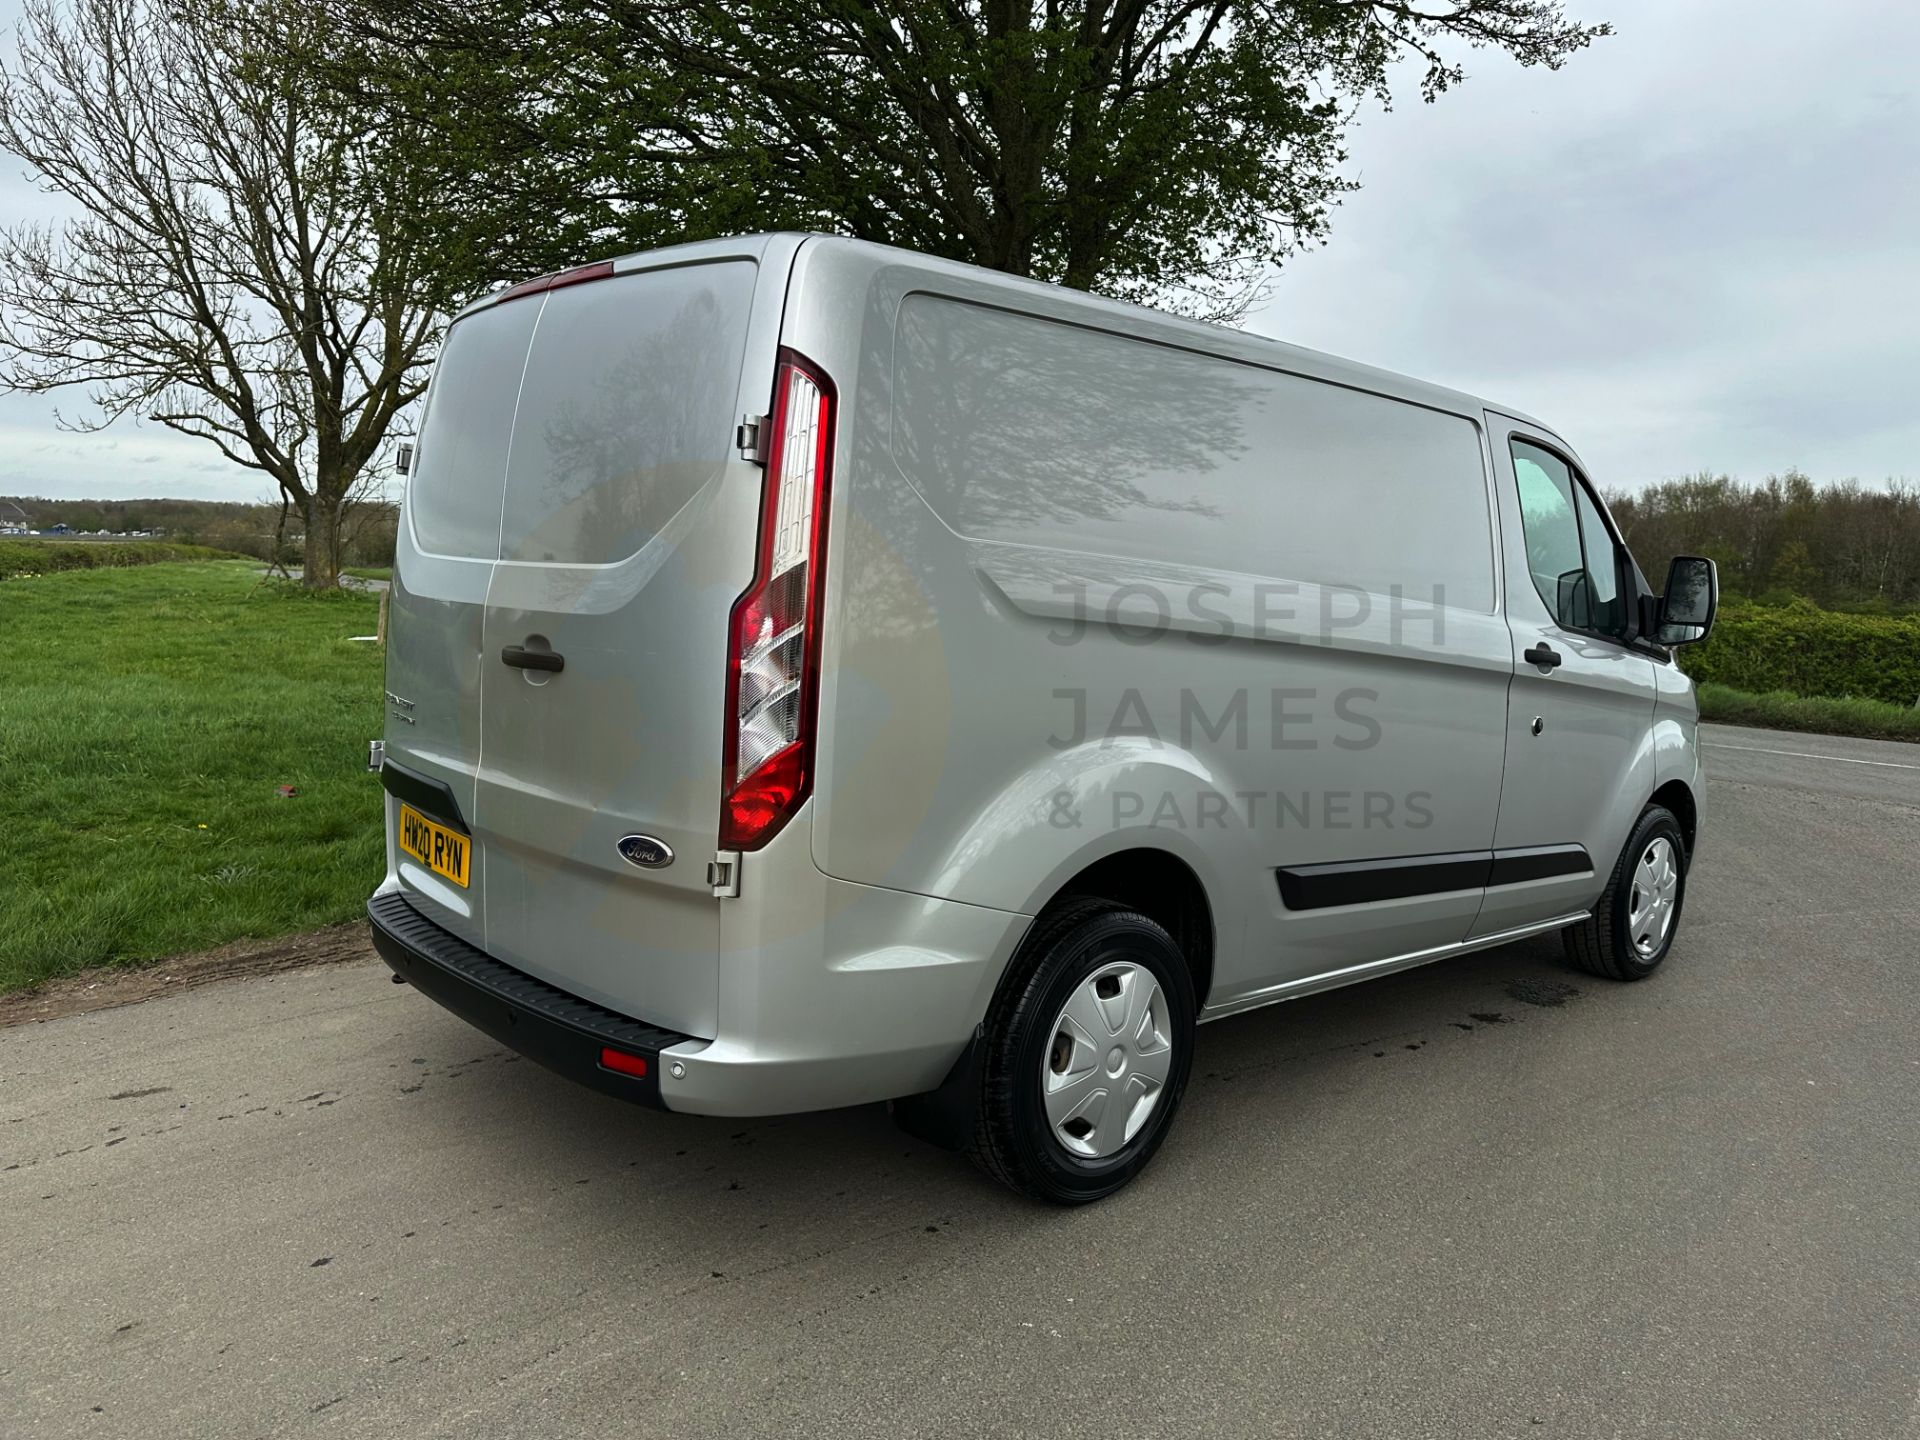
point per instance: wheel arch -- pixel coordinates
(1150, 879)
(1678, 796)
(1160, 885)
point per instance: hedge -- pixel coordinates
(37, 557)
(1818, 715)
(1804, 650)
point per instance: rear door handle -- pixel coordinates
(523, 659)
(1542, 655)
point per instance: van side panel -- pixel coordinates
(1013, 481)
(1027, 431)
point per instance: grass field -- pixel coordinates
(147, 717)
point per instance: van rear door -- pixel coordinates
(443, 564)
(626, 531)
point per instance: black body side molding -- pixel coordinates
(1538, 862)
(1363, 882)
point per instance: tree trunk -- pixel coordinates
(323, 542)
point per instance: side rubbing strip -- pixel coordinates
(1360, 882)
(1364, 882)
(1539, 862)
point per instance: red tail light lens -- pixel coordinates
(773, 665)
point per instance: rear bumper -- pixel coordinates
(561, 1031)
(829, 993)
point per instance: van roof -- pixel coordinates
(1199, 334)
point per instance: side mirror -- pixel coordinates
(403, 458)
(1692, 596)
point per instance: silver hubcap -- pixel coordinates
(1107, 1060)
(1656, 890)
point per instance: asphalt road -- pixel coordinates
(1490, 1198)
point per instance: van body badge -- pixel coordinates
(644, 851)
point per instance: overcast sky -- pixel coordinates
(1695, 247)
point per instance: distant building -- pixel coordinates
(13, 520)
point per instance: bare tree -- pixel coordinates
(234, 271)
(1842, 544)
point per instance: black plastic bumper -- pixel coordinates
(561, 1031)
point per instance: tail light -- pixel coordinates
(773, 664)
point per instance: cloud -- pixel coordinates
(36, 459)
(1697, 245)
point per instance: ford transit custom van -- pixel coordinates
(819, 674)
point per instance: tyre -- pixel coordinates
(1085, 1055)
(1632, 928)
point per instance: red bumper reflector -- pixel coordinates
(623, 1063)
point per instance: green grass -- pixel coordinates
(369, 572)
(1779, 710)
(146, 718)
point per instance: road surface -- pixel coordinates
(1490, 1198)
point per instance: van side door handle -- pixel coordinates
(523, 659)
(1542, 655)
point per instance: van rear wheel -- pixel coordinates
(1632, 928)
(1087, 1053)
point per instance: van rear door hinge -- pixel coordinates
(753, 435)
(723, 873)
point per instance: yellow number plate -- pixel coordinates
(443, 851)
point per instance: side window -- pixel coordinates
(1609, 615)
(1576, 580)
(1550, 525)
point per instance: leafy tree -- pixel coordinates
(233, 270)
(1150, 149)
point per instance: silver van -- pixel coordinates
(820, 674)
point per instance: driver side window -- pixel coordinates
(1569, 548)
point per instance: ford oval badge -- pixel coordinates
(645, 851)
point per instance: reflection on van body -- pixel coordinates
(998, 682)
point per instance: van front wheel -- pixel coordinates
(1087, 1053)
(1632, 928)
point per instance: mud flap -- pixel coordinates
(945, 1117)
